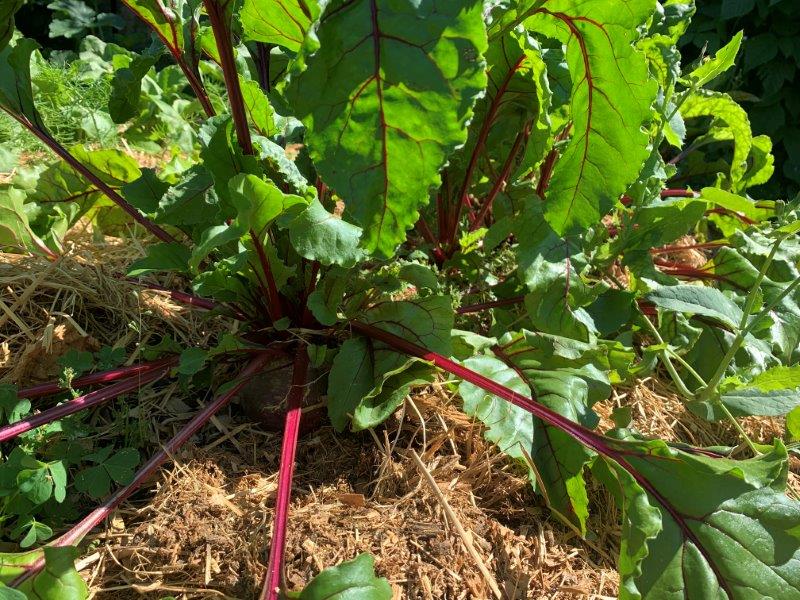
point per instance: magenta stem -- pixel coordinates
(190, 299)
(46, 389)
(501, 181)
(97, 516)
(87, 174)
(80, 403)
(679, 193)
(272, 579)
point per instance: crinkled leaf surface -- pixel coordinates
(368, 379)
(610, 105)
(400, 79)
(725, 531)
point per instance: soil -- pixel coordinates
(201, 529)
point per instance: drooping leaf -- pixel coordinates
(730, 123)
(400, 81)
(610, 105)
(368, 379)
(281, 22)
(319, 235)
(351, 580)
(726, 532)
(564, 377)
(162, 257)
(698, 300)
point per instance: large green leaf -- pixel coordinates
(610, 104)
(567, 376)
(698, 300)
(57, 581)
(400, 78)
(700, 527)
(517, 95)
(557, 458)
(351, 580)
(281, 22)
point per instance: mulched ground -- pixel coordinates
(202, 527)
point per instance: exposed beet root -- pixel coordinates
(263, 398)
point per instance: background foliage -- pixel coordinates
(766, 79)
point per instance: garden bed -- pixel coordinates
(201, 528)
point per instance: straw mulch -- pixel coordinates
(445, 515)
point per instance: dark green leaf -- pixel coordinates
(352, 580)
(162, 257)
(696, 539)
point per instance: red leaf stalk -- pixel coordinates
(80, 403)
(222, 36)
(500, 184)
(483, 134)
(177, 53)
(46, 389)
(87, 174)
(97, 516)
(272, 579)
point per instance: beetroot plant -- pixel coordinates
(494, 190)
